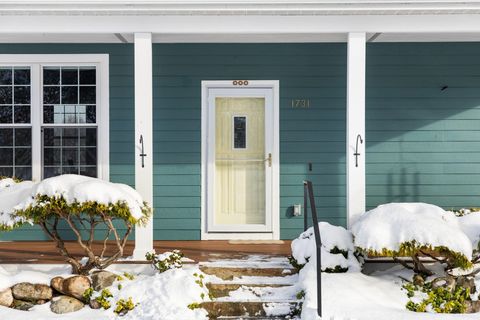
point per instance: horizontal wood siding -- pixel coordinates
(423, 144)
(316, 135)
(122, 161)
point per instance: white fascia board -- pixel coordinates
(243, 24)
(244, 7)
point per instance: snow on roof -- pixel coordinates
(389, 225)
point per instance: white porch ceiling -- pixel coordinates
(234, 38)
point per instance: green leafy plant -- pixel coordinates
(123, 306)
(87, 294)
(83, 218)
(439, 299)
(166, 261)
(295, 263)
(102, 299)
(194, 305)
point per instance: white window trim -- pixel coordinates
(35, 61)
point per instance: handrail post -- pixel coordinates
(308, 196)
(305, 206)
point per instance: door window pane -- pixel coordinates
(239, 132)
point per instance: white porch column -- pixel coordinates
(356, 59)
(143, 132)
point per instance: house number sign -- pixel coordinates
(300, 103)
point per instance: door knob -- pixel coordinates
(269, 160)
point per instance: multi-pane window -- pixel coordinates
(15, 122)
(49, 119)
(69, 121)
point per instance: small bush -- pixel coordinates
(123, 306)
(166, 261)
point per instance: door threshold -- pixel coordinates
(239, 236)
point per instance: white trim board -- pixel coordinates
(35, 61)
(275, 201)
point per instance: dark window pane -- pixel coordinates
(87, 76)
(6, 76)
(69, 76)
(5, 114)
(91, 114)
(6, 156)
(6, 171)
(51, 157)
(49, 172)
(70, 157)
(240, 132)
(70, 137)
(47, 114)
(5, 95)
(21, 95)
(70, 170)
(69, 95)
(91, 137)
(23, 156)
(22, 114)
(6, 137)
(51, 76)
(52, 137)
(88, 156)
(23, 137)
(87, 95)
(51, 95)
(24, 173)
(88, 171)
(21, 76)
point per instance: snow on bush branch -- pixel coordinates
(414, 230)
(81, 203)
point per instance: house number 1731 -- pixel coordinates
(300, 103)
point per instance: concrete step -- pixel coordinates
(229, 273)
(254, 310)
(219, 290)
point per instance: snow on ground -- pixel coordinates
(162, 296)
(470, 224)
(389, 225)
(356, 296)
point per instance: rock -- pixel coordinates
(103, 279)
(94, 304)
(6, 297)
(41, 301)
(472, 306)
(65, 304)
(57, 283)
(22, 305)
(446, 282)
(418, 280)
(74, 286)
(31, 292)
(467, 282)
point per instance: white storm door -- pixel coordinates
(240, 149)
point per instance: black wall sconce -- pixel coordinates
(356, 154)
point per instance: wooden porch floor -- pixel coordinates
(45, 251)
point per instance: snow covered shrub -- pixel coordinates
(166, 260)
(12, 192)
(413, 230)
(81, 204)
(337, 249)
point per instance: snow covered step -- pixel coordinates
(219, 290)
(254, 310)
(229, 273)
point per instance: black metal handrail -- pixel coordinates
(308, 197)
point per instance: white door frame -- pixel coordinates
(274, 234)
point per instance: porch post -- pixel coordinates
(143, 137)
(356, 59)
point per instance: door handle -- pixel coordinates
(268, 160)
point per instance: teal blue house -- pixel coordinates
(218, 112)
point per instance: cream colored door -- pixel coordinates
(241, 154)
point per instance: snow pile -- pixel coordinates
(470, 224)
(390, 225)
(335, 239)
(11, 195)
